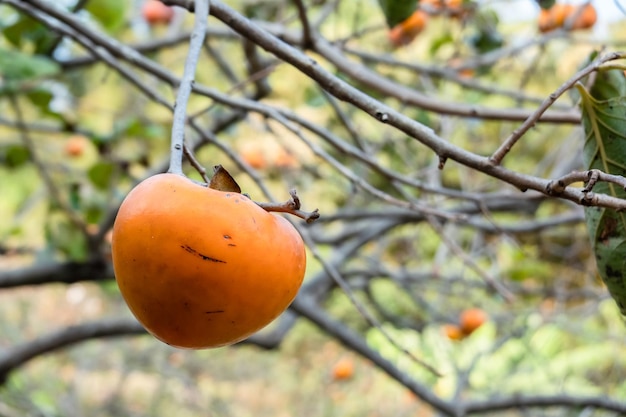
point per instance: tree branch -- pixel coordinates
(184, 90)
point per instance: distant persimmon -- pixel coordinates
(75, 146)
(155, 12)
(586, 18)
(471, 319)
(453, 332)
(406, 31)
(557, 16)
(343, 369)
(254, 157)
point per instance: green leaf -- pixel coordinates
(100, 174)
(16, 155)
(110, 13)
(545, 4)
(19, 66)
(26, 28)
(396, 11)
(604, 120)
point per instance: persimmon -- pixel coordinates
(203, 268)
(283, 159)
(254, 158)
(343, 369)
(471, 319)
(155, 12)
(453, 332)
(75, 146)
(557, 16)
(554, 17)
(586, 17)
(406, 31)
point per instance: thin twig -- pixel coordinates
(590, 178)
(345, 287)
(53, 190)
(306, 26)
(509, 142)
(186, 84)
(291, 206)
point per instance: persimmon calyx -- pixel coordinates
(223, 181)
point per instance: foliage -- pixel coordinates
(604, 107)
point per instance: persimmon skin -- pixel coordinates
(201, 268)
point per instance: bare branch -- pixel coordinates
(63, 272)
(510, 141)
(185, 87)
(591, 178)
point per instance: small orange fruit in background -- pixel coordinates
(155, 12)
(343, 369)
(75, 146)
(202, 268)
(556, 17)
(406, 31)
(453, 332)
(471, 319)
(254, 157)
(587, 17)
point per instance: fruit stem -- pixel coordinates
(186, 84)
(291, 206)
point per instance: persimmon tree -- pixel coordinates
(452, 165)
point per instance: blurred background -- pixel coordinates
(414, 260)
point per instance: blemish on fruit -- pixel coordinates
(213, 312)
(204, 257)
(227, 237)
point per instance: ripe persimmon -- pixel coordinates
(202, 268)
(556, 17)
(254, 158)
(343, 369)
(586, 18)
(155, 12)
(75, 146)
(471, 319)
(405, 32)
(453, 332)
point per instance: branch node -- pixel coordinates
(291, 206)
(442, 162)
(382, 116)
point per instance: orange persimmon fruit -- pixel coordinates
(75, 146)
(254, 158)
(343, 369)
(453, 332)
(471, 319)
(556, 17)
(586, 18)
(155, 12)
(202, 268)
(406, 31)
